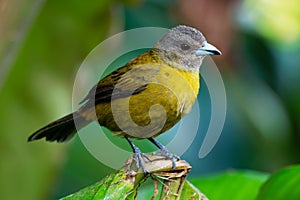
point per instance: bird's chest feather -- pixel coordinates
(175, 91)
(168, 96)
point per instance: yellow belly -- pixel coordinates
(139, 115)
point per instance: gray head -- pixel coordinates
(185, 47)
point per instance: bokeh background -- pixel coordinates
(42, 44)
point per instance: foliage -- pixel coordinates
(230, 185)
(125, 183)
(233, 185)
(38, 87)
(284, 184)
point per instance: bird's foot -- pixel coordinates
(140, 159)
(165, 152)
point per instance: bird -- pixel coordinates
(145, 97)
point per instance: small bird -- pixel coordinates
(145, 97)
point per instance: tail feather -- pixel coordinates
(60, 130)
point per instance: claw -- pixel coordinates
(164, 152)
(140, 160)
(139, 157)
(146, 157)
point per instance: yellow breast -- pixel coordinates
(175, 91)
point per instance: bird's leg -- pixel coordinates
(138, 156)
(165, 152)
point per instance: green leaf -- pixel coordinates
(231, 185)
(117, 186)
(189, 191)
(285, 184)
(180, 188)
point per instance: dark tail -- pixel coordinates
(60, 130)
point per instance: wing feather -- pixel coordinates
(129, 80)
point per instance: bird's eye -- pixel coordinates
(184, 47)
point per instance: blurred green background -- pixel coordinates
(42, 44)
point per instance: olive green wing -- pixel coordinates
(126, 81)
